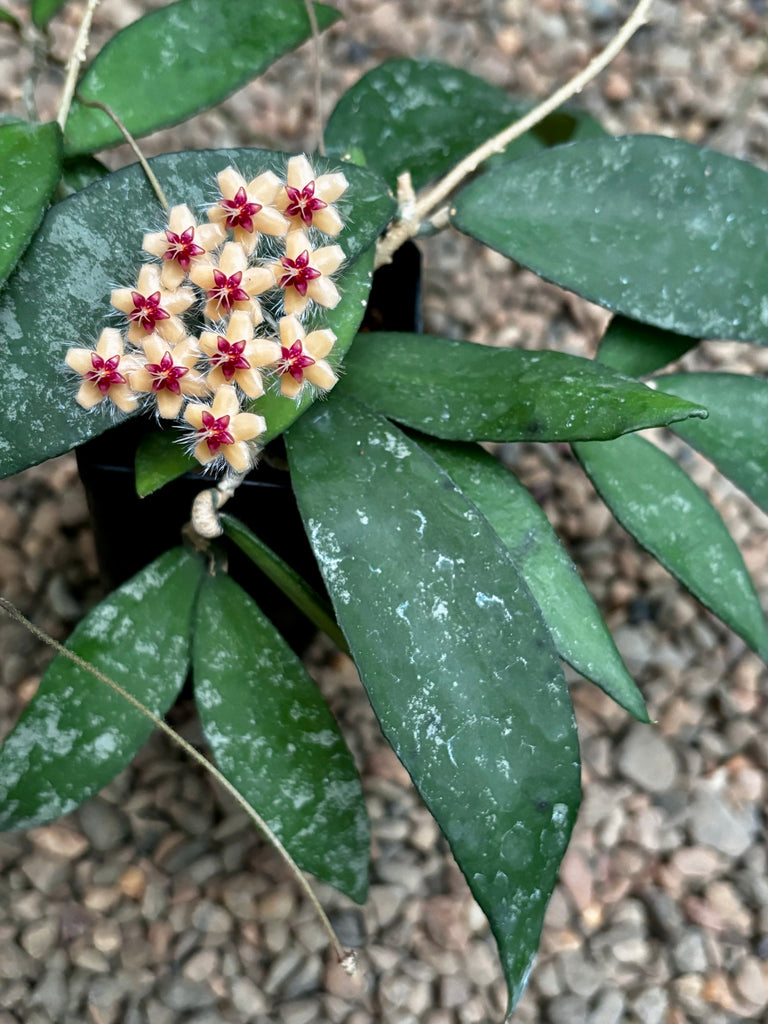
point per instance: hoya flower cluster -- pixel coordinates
(223, 266)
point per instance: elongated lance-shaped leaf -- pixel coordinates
(275, 739)
(306, 599)
(76, 733)
(577, 627)
(30, 158)
(665, 232)
(181, 59)
(664, 510)
(86, 245)
(637, 349)
(160, 459)
(734, 436)
(454, 654)
(459, 391)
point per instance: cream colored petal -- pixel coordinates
(89, 395)
(149, 279)
(136, 334)
(180, 218)
(321, 374)
(155, 243)
(290, 330)
(238, 455)
(171, 329)
(295, 244)
(250, 382)
(209, 236)
(213, 310)
(229, 182)
(295, 304)
(247, 425)
(123, 397)
(233, 259)
(329, 187)
(194, 384)
(263, 352)
(264, 188)
(251, 309)
(141, 380)
(79, 360)
(324, 292)
(328, 259)
(240, 327)
(289, 387)
(209, 343)
(178, 300)
(225, 402)
(247, 239)
(155, 348)
(257, 280)
(168, 404)
(193, 414)
(203, 453)
(121, 299)
(172, 275)
(110, 343)
(217, 215)
(319, 343)
(186, 352)
(328, 221)
(215, 379)
(299, 171)
(201, 274)
(270, 221)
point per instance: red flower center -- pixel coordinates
(298, 273)
(182, 248)
(147, 310)
(302, 203)
(227, 290)
(104, 373)
(229, 357)
(240, 211)
(165, 374)
(215, 432)
(293, 360)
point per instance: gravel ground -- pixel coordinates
(156, 904)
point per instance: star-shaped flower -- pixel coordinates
(151, 309)
(301, 358)
(169, 374)
(222, 430)
(305, 274)
(181, 244)
(235, 356)
(104, 372)
(232, 284)
(247, 208)
(306, 199)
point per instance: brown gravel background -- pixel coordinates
(156, 904)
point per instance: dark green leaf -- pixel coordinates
(637, 349)
(44, 10)
(92, 241)
(30, 155)
(274, 738)
(735, 436)
(77, 173)
(669, 516)
(307, 600)
(580, 635)
(9, 19)
(76, 733)
(568, 126)
(420, 116)
(159, 459)
(181, 59)
(464, 392)
(655, 228)
(454, 655)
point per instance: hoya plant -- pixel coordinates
(214, 298)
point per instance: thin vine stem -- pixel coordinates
(74, 63)
(318, 74)
(345, 957)
(406, 228)
(151, 176)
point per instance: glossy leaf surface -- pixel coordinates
(30, 156)
(460, 391)
(456, 659)
(79, 172)
(76, 733)
(87, 244)
(420, 116)
(577, 627)
(664, 510)
(657, 229)
(637, 349)
(735, 436)
(181, 59)
(275, 739)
